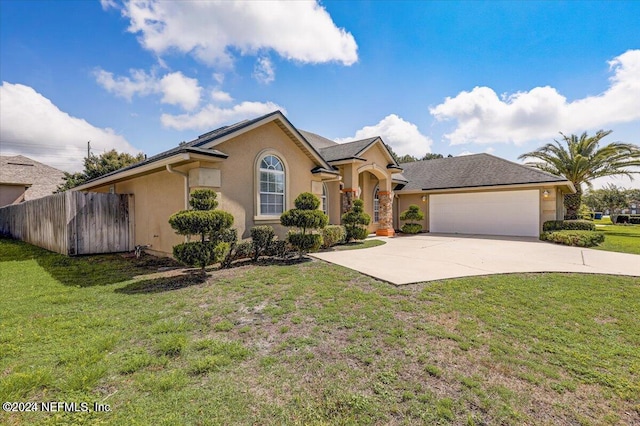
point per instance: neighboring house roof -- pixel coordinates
(42, 180)
(471, 171)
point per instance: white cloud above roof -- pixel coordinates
(175, 87)
(403, 136)
(301, 31)
(540, 113)
(33, 126)
(264, 71)
(212, 116)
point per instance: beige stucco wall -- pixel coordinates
(404, 201)
(156, 197)
(239, 194)
(335, 201)
(548, 205)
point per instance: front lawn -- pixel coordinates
(312, 343)
(620, 238)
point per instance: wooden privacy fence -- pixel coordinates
(73, 223)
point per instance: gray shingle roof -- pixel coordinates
(23, 170)
(343, 151)
(471, 171)
(317, 141)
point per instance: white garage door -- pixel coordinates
(488, 213)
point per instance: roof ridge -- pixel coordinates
(535, 169)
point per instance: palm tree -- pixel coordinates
(580, 160)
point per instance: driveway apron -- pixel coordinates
(428, 257)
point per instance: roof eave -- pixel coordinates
(566, 184)
(346, 160)
(274, 116)
(176, 159)
(385, 149)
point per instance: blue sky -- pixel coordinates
(446, 77)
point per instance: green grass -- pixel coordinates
(620, 238)
(354, 245)
(312, 343)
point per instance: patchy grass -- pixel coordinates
(620, 238)
(314, 343)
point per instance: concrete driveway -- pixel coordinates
(427, 257)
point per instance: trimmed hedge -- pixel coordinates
(261, 237)
(411, 228)
(626, 218)
(568, 225)
(332, 235)
(574, 238)
(278, 248)
(305, 242)
(200, 254)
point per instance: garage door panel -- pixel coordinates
(514, 213)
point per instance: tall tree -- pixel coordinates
(581, 160)
(99, 165)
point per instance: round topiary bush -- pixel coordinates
(355, 222)
(412, 215)
(305, 216)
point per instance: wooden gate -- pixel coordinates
(73, 223)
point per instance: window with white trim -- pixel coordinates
(376, 205)
(324, 200)
(272, 186)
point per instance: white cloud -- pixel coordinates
(483, 117)
(263, 72)
(220, 96)
(403, 136)
(298, 31)
(108, 4)
(213, 116)
(140, 83)
(33, 126)
(176, 88)
(180, 90)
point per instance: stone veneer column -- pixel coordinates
(348, 194)
(385, 214)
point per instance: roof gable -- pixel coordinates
(43, 180)
(216, 137)
(471, 171)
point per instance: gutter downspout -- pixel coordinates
(186, 189)
(186, 184)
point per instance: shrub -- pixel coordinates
(305, 242)
(411, 228)
(412, 215)
(620, 218)
(261, 237)
(574, 238)
(332, 235)
(305, 216)
(568, 225)
(212, 226)
(355, 222)
(238, 250)
(200, 254)
(626, 218)
(278, 248)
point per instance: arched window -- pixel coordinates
(376, 205)
(324, 200)
(272, 186)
